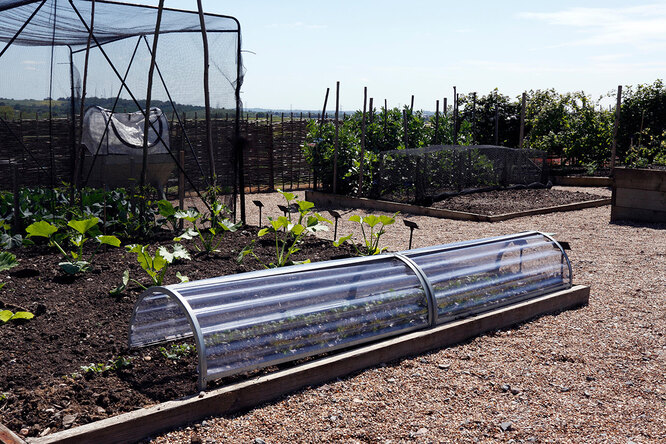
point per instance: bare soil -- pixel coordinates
(79, 323)
(496, 202)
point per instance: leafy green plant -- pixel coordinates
(176, 352)
(111, 365)
(7, 260)
(371, 236)
(209, 238)
(168, 213)
(78, 236)
(156, 265)
(7, 315)
(288, 234)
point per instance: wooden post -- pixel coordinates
(209, 130)
(282, 165)
(615, 128)
(455, 116)
(181, 183)
(362, 159)
(496, 124)
(473, 118)
(16, 223)
(521, 137)
(411, 106)
(444, 108)
(404, 126)
(337, 129)
(371, 110)
(151, 70)
(385, 116)
(271, 161)
(78, 168)
(315, 176)
(436, 121)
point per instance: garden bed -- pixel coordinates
(492, 203)
(78, 323)
(488, 206)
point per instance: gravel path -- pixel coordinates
(593, 375)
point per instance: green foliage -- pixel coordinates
(288, 234)
(155, 265)
(111, 365)
(477, 119)
(209, 238)
(176, 352)
(7, 260)
(371, 237)
(383, 131)
(642, 129)
(7, 316)
(78, 235)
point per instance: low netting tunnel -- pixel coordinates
(254, 320)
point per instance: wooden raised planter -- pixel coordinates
(639, 195)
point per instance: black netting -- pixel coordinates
(430, 173)
(43, 47)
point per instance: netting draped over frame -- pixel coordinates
(126, 132)
(113, 21)
(43, 51)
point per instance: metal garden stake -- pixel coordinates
(260, 205)
(412, 226)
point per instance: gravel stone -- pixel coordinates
(599, 346)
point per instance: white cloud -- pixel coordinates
(642, 26)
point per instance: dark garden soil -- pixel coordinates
(491, 203)
(43, 388)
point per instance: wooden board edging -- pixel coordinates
(143, 423)
(9, 437)
(583, 181)
(338, 200)
(568, 207)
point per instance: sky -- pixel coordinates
(294, 49)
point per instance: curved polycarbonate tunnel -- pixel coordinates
(472, 277)
(254, 320)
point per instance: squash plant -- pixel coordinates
(209, 238)
(371, 237)
(288, 234)
(155, 265)
(81, 231)
(7, 315)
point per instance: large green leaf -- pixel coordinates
(41, 229)
(228, 225)
(74, 267)
(22, 315)
(304, 205)
(180, 252)
(190, 215)
(7, 260)
(82, 226)
(165, 208)
(189, 234)
(5, 315)
(387, 220)
(108, 240)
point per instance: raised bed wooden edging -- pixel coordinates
(143, 423)
(338, 200)
(639, 195)
(583, 181)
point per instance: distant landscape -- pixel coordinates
(11, 108)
